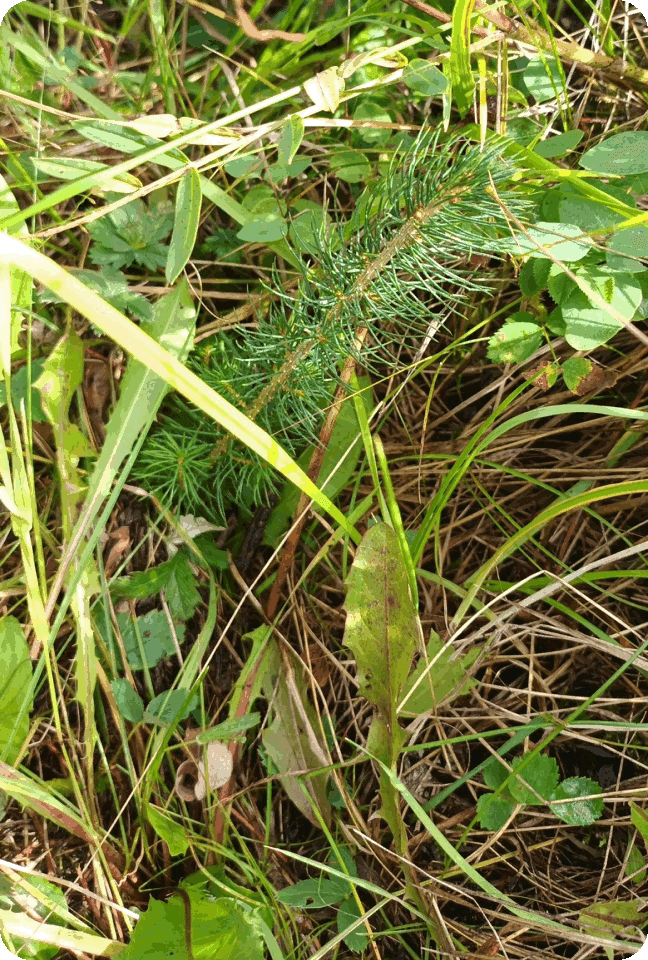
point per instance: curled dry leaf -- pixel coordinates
(216, 768)
(219, 766)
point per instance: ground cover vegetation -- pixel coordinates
(323, 479)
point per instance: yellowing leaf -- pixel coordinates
(324, 89)
(158, 125)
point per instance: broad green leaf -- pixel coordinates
(447, 675)
(543, 80)
(19, 391)
(368, 111)
(540, 773)
(267, 230)
(305, 225)
(350, 166)
(493, 812)
(168, 707)
(279, 172)
(565, 241)
(156, 638)
(561, 144)
(185, 227)
(382, 625)
(425, 78)
(623, 153)
(16, 693)
(587, 325)
(531, 279)
(574, 371)
(312, 894)
(129, 703)
(229, 729)
(243, 168)
(173, 834)
(292, 134)
(514, 342)
(348, 914)
(580, 813)
(220, 930)
(627, 244)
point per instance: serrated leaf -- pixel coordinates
(16, 693)
(514, 342)
(129, 703)
(185, 227)
(448, 675)
(325, 89)
(182, 590)
(425, 78)
(292, 134)
(588, 326)
(494, 773)
(581, 812)
(382, 625)
(173, 834)
(493, 812)
(541, 774)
